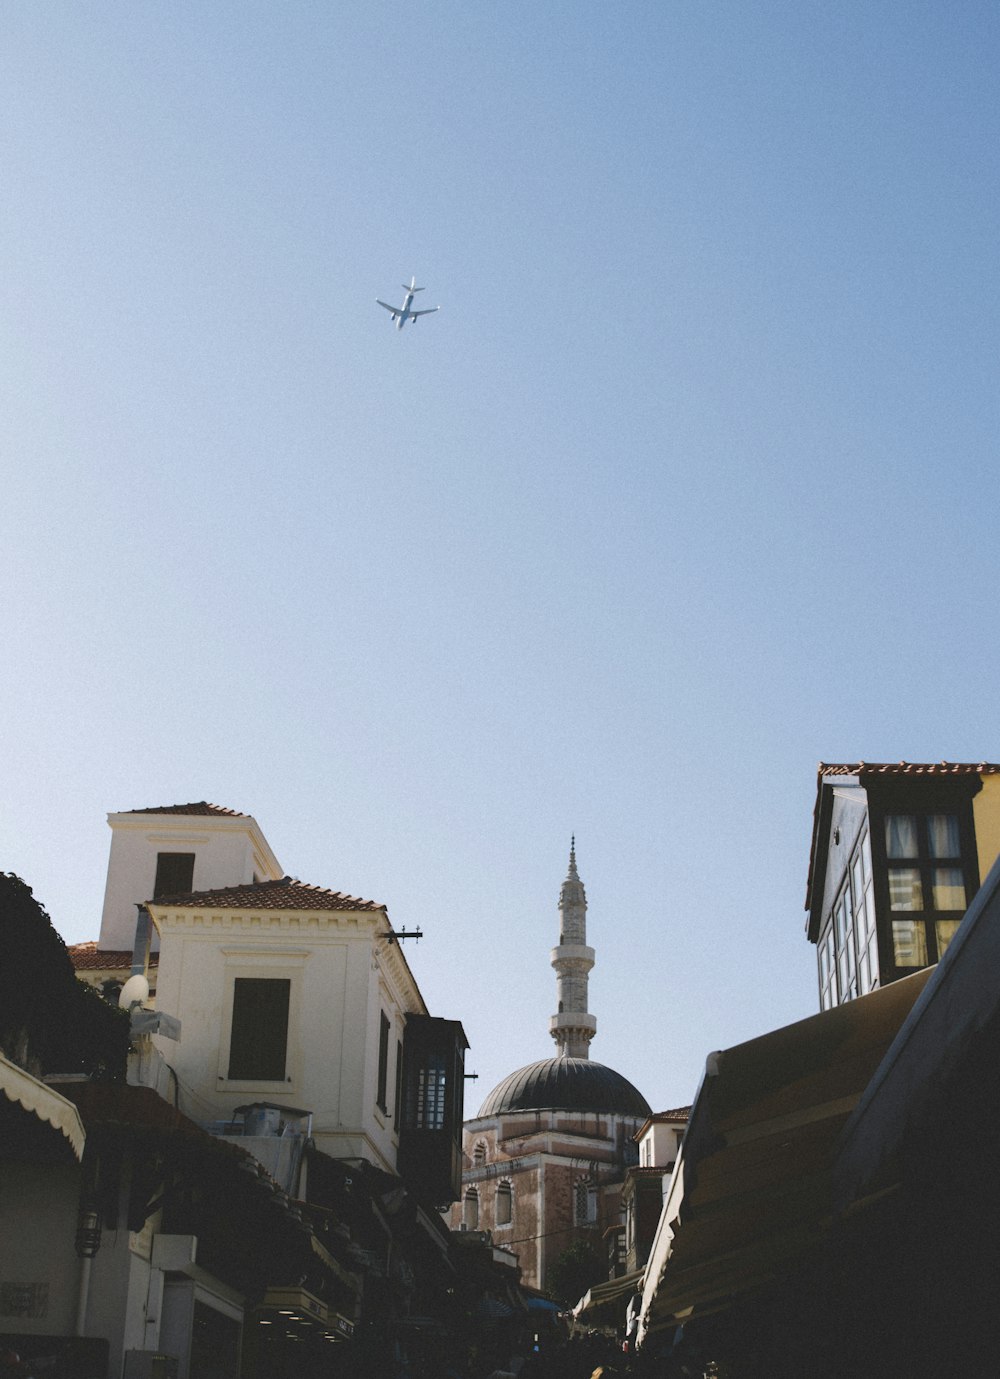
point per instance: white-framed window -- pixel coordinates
(848, 947)
(504, 1214)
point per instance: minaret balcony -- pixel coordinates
(576, 955)
(579, 1020)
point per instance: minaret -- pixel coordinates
(573, 1027)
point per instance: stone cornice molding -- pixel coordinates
(388, 956)
(176, 917)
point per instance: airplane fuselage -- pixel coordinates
(404, 312)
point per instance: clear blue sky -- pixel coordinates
(691, 484)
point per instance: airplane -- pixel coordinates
(402, 314)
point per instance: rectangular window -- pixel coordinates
(259, 1034)
(948, 888)
(585, 1204)
(901, 835)
(848, 949)
(174, 873)
(864, 979)
(873, 958)
(905, 889)
(945, 930)
(383, 1062)
(432, 1084)
(928, 873)
(828, 971)
(909, 942)
(397, 1109)
(942, 835)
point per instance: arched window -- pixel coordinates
(479, 1153)
(470, 1210)
(505, 1200)
(585, 1203)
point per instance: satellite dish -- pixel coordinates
(134, 992)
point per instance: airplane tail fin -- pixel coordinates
(411, 286)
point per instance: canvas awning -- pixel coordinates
(606, 1303)
(961, 999)
(43, 1103)
(752, 1188)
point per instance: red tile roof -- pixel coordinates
(198, 807)
(87, 957)
(286, 894)
(909, 768)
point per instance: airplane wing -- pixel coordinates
(393, 309)
(428, 312)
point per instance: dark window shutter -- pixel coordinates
(259, 1035)
(174, 873)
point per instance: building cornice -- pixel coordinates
(199, 828)
(169, 918)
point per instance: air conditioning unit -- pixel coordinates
(149, 1364)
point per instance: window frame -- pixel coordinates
(584, 1190)
(382, 1070)
(848, 945)
(505, 1191)
(938, 802)
(276, 965)
(175, 858)
(251, 1019)
(397, 1101)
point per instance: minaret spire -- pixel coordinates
(572, 1027)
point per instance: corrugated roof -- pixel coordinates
(200, 807)
(286, 894)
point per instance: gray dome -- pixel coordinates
(566, 1084)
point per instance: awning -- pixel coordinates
(349, 1280)
(752, 1188)
(493, 1308)
(42, 1102)
(606, 1303)
(961, 999)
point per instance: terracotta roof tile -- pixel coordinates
(909, 768)
(286, 894)
(198, 807)
(87, 957)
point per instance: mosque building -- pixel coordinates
(545, 1158)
